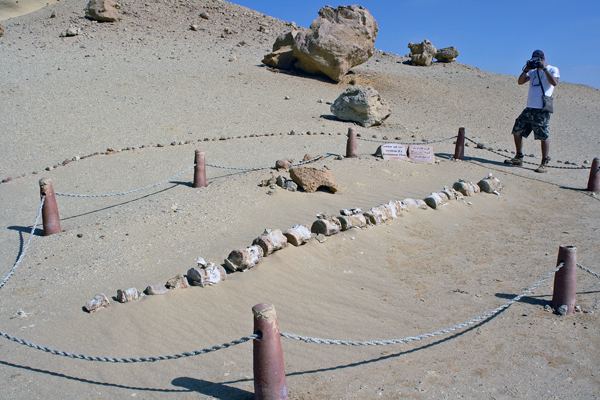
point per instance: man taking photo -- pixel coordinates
(535, 117)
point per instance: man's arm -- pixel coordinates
(524, 78)
(551, 78)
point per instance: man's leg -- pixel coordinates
(519, 143)
(545, 148)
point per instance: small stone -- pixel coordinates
(320, 238)
(562, 310)
(154, 290)
(99, 302)
(178, 282)
(578, 309)
(125, 296)
(291, 186)
(80, 235)
(201, 262)
(204, 15)
(547, 308)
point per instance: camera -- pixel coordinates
(534, 63)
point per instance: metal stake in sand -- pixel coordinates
(459, 150)
(565, 280)
(351, 144)
(594, 182)
(50, 217)
(199, 170)
(269, 373)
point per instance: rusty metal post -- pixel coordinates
(199, 170)
(565, 280)
(269, 373)
(459, 150)
(351, 144)
(50, 217)
(594, 181)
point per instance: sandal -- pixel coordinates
(514, 161)
(543, 166)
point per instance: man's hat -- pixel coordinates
(538, 54)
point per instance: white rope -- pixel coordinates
(13, 269)
(587, 270)
(526, 162)
(124, 193)
(129, 360)
(406, 143)
(269, 167)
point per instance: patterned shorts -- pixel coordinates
(533, 119)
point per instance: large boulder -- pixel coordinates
(361, 104)
(103, 10)
(310, 179)
(283, 51)
(447, 54)
(341, 38)
(422, 53)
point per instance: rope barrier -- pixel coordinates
(526, 162)
(13, 269)
(587, 270)
(426, 335)
(407, 143)
(130, 360)
(292, 336)
(124, 193)
(293, 165)
(181, 173)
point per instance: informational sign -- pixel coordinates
(420, 153)
(392, 151)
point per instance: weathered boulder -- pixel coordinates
(361, 104)
(341, 38)
(103, 10)
(310, 179)
(422, 53)
(447, 54)
(99, 302)
(283, 51)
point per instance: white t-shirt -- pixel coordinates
(534, 98)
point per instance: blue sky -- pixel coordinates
(496, 36)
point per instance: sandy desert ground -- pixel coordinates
(149, 80)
